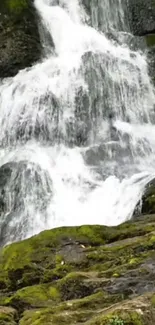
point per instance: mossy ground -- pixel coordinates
(81, 275)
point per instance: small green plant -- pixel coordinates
(116, 321)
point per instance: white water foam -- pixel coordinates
(36, 105)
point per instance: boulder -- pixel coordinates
(91, 275)
(19, 36)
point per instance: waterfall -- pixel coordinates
(77, 135)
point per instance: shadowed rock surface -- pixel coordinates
(142, 16)
(19, 37)
(148, 199)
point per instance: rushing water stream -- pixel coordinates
(77, 128)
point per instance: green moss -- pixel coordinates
(73, 286)
(59, 259)
(116, 275)
(45, 258)
(150, 203)
(93, 301)
(34, 296)
(37, 317)
(49, 316)
(5, 318)
(57, 273)
(98, 300)
(116, 321)
(117, 259)
(8, 316)
(119, 317)
(12, 257)
(150, 40)
(16, 6)
(69, 273)
(71, 312)
(153, 300)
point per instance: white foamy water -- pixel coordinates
(73, 164)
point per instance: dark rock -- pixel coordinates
(141, 15)
(19, 36)
(147, 203)
(148, 199)
(151, 62)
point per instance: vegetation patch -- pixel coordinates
(16, 6)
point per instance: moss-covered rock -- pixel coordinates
(34, 296)
(82, 275)
(19, 36)
(139, 311)
(148, 199)
(8, 316)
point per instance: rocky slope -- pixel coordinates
(83, 275)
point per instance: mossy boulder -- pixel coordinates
(92, 275)
(19, 36)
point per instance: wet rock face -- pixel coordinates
(102, 17)
(138, 16)
(19, 37)
(19, 199)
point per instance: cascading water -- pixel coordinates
(76, 136)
